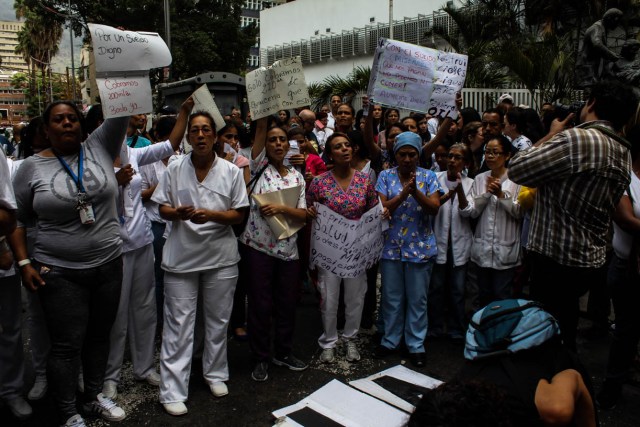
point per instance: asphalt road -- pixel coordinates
(250, 403)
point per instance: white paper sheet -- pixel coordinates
(203, 101)
(400, 372)
(348, 407)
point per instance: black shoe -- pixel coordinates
(260, 372)
(608, 397)
(381, 352)
(418, 359)
(290, 362)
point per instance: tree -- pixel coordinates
(356, 81)
(36, 89)
(205, 34)
(38, 40)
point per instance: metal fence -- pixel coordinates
(358, 41)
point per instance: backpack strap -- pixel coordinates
(134, 141)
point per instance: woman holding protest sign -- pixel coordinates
(203, 195)
(349, 193)
(273, 265)
(77, 268)
(412, 195)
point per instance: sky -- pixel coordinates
(60, 61)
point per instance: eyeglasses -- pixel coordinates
(493, 153)
(232, 136)
(205, 130)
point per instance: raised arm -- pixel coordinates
(368, 136)
(181, 123)
(430, 147)
(260, 138)
(110, 134)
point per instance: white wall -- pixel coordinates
(301, 18)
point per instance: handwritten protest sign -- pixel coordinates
(417, 78)
(123, 60)
(346, 247)
(278, 87)
(117, 50)
(125, 96)
(203, 101)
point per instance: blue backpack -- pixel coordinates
(508, 326)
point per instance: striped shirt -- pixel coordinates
(580, 174)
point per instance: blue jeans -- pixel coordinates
(449, 294)
(405, 286)
(80, 307)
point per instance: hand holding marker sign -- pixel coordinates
(123, 60)
(417, 78)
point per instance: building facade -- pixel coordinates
(334, 37)
(250, 15)
(11, 61)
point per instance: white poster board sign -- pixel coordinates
(417, 78)
(346, 247)
(348, 407)
(203, 101)
(118, 50)
(123, 60)
(368, 385)
(125, 96)
(278, 87)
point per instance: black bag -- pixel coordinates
(238, 229)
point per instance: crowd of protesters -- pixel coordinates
(113, 237)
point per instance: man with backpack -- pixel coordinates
(580, 175)
(517, 373)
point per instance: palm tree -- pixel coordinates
(38, 40)
(356, 81)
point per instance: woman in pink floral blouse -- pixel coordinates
(349, 193)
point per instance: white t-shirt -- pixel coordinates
(136, 230)
(198, 247)
(7, 198)
(151, 175)
(622, 241)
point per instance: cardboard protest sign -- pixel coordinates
(117, 50)
(123, 60)
(278, 87)
(346, 247)
(417, 78)
(125, 96)
(203, 101)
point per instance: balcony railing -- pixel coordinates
(356, 42)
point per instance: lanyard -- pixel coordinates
(77, 179)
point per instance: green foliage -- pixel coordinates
(356, 81)
(37, 90)
(205, 34)
(532, 43)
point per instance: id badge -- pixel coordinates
(86, 214)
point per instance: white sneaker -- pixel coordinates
(152, 379)
(39, 388)
(110, 389)
(175, 409)
(20, 408)
(75, 421)
(352, 352)
(328, 355)
(219, 389)
(106, 408)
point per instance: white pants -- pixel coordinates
(180, 301)
(354, 290)
(136, 315)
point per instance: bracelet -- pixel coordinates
(24, 262)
